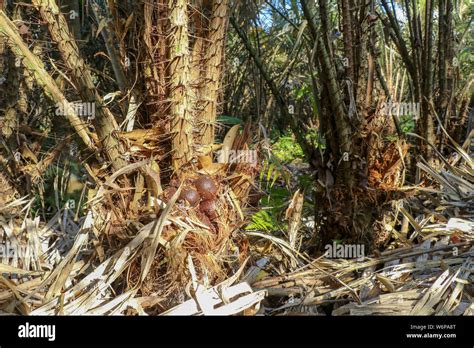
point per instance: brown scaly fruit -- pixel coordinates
(191, 196)
(208, 207)
(206, 187)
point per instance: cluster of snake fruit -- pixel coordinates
(200, 194)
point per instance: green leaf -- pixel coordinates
(229, 120)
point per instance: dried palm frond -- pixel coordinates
(428, 274)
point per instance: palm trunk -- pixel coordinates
(36, 67)
(180, 90)
(213, 62)
(348, 38)
(104, 121)
(426, 119)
